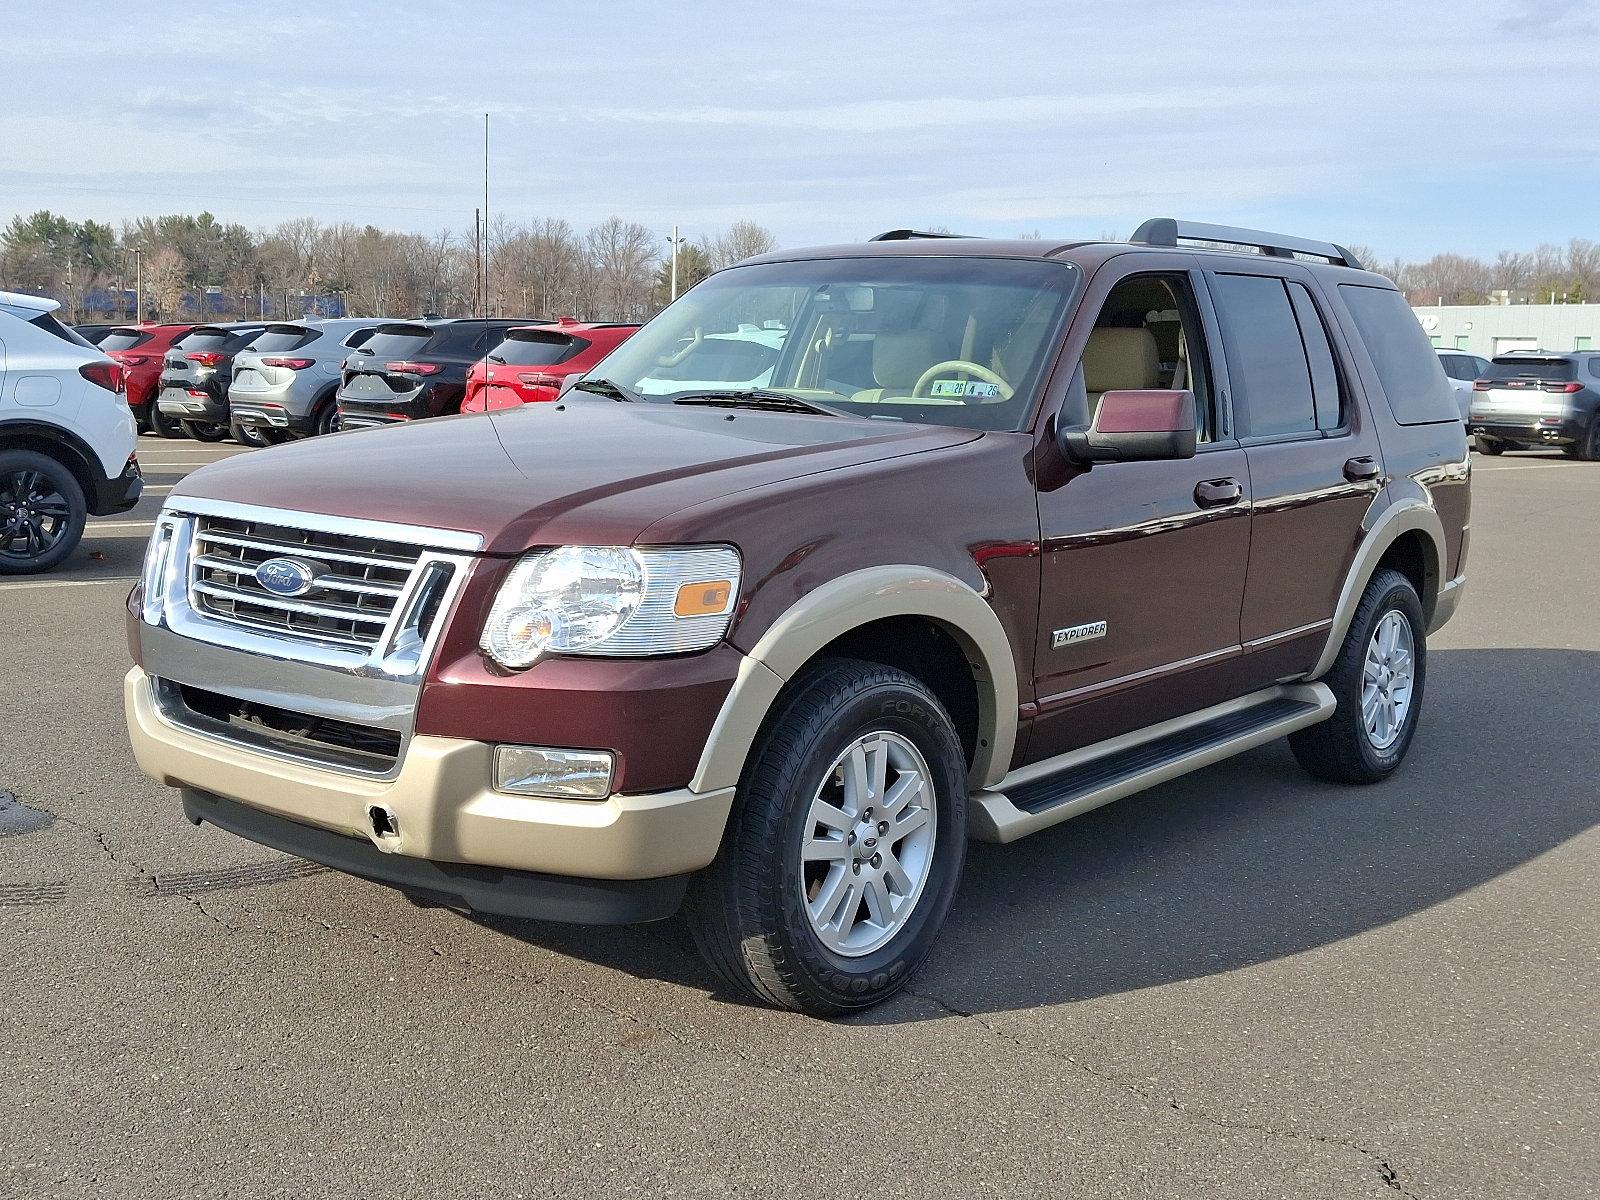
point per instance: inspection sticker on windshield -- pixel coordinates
(963, 389)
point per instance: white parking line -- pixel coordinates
(119, 525)
(1541, 466)
(60, 583)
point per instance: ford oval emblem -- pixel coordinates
(288, 577)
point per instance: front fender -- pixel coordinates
(849, 602)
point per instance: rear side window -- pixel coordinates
(535, 349)
(277, 339)
(1407, 365)
(359, 338)
(1594, 367)
(398, 341)
(48, 323)
(1267, 364)
(124, 339)
(1319, 356)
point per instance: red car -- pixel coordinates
(535, 360)
(140, 349)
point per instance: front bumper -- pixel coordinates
(477, 889)
(442, 804)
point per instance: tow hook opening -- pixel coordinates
(385, 825)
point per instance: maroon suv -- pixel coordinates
(848, 556)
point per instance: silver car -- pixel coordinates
(284, 384)
(1462, 369)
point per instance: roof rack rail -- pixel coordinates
(905, 235)
(1164, 231)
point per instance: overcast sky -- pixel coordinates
(1411, 128)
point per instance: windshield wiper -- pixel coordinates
(499, 358)
(605, 387)
(760, 398)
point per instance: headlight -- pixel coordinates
(612, 600)
(158, 568)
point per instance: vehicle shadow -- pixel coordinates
(1245, 862)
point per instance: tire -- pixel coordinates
(749, 911)
(253, 436)
(204, 431)
(1346, 748)
(1589, 448)
(167, 427)
(326, 419)
(42, 512)
(1487, 445)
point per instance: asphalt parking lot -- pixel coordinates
(1245, 983)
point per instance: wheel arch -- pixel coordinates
(849, 606)
(63, 445)
(1406, 535)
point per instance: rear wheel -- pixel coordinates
(327, 418)
(1588, 447)
(204, 431)
(253, 435)
(167, 427)
(1377, 680)
(1488, 445)
(42, 512)
(844, 848)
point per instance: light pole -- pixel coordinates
(674, 241)
(138, 286)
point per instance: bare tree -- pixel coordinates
(744, 239)
(623, 257)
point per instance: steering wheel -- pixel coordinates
(966, 368)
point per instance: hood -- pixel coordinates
(584, 471)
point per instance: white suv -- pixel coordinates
(66, 436)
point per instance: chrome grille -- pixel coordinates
(359, 580)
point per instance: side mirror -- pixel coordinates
(1133, 426)
(566, 383)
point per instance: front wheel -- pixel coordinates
(1377, 681)
(42, 512)
(845, 845)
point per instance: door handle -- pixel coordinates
(1357, 470)
(1214, 493)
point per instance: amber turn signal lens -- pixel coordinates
(703, 599)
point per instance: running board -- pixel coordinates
(1046, 793)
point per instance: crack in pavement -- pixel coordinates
(1386, 1172)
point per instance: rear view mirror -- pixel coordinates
(1133, 426)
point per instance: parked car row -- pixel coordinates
(265, 382)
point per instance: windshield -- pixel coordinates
(1516, 367)
(946, 341)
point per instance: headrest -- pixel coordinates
(1120, 359)
(899, 359)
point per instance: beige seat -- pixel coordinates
(898, 361)
(1118, 360)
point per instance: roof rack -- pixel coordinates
(1164, 231)
(905, 235)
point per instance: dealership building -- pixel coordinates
(1490, 329)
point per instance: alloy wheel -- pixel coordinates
(1387, 678)
(34, 515)
(868, 843)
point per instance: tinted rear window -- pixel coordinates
(1514, 366)
(397, 341)
(1406, 362)
(276, 339)
(1272, 386)
(124, 339)
(204, 339)
(534, 349)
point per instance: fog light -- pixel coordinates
(564, 774)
